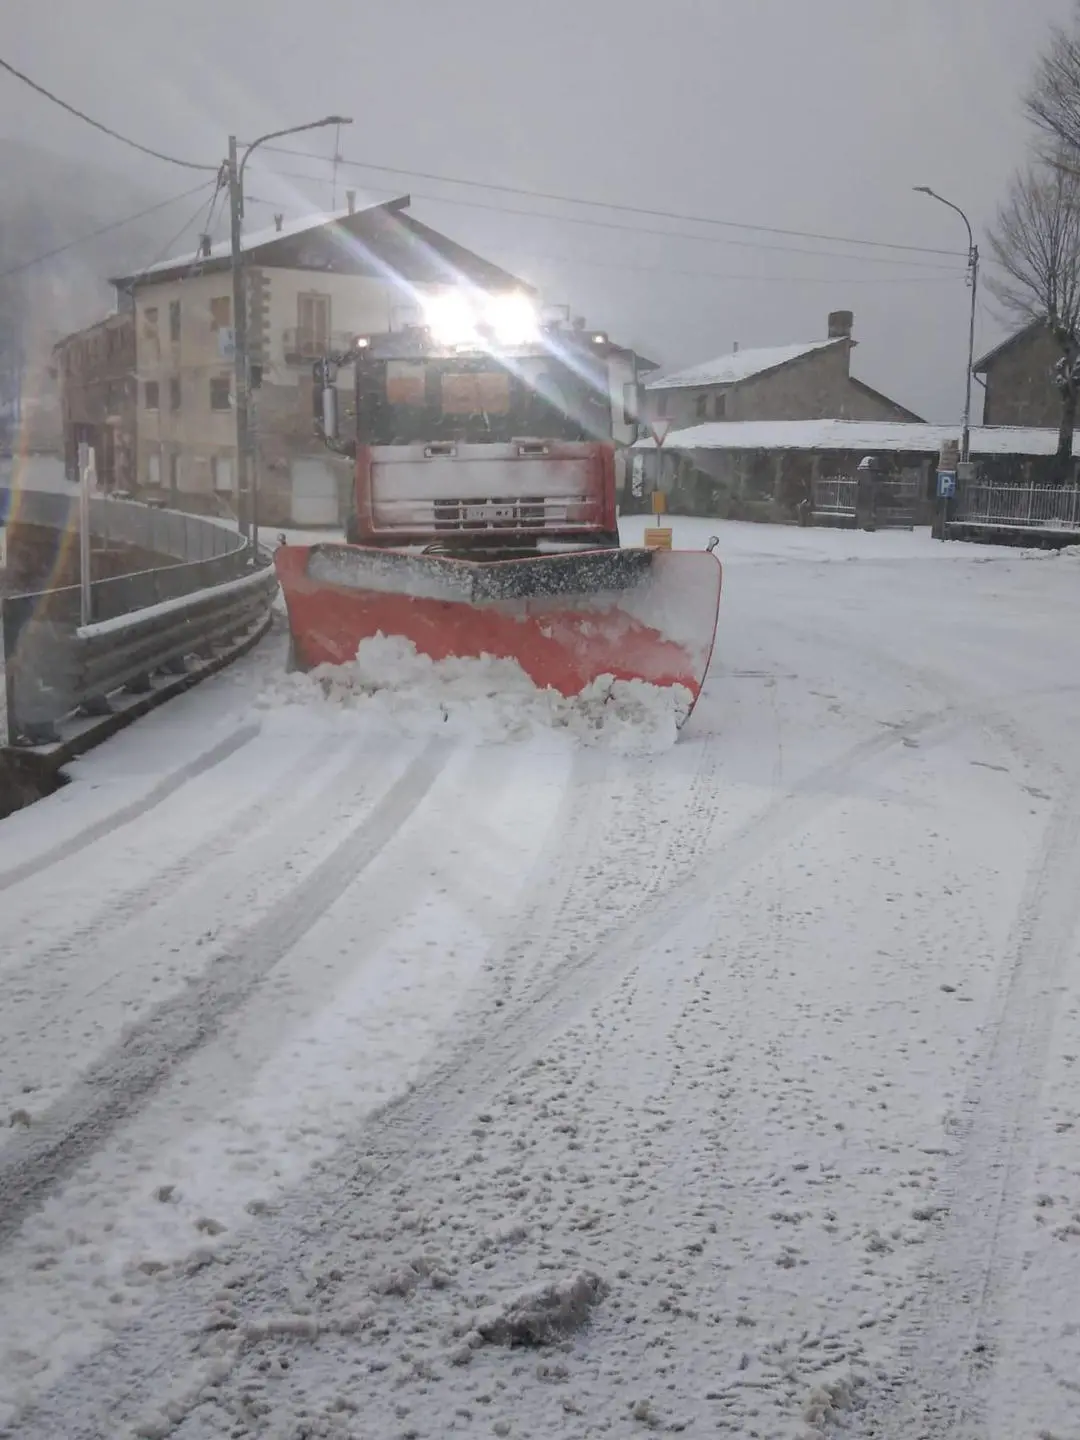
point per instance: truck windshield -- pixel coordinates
(477, 399)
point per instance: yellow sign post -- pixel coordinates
(658, 538)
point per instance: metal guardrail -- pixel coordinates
(57, 668)
(124, 522)
(1017, 507)
(143, 623)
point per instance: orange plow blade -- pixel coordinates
(567, 619)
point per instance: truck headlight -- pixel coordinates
(513, 319)
(450, 319)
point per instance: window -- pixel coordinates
(153, 469)
(313, 324)
(150, 318)
(719, 406)
(701, 406)
(174, 393)
(174, 471)
(661, 408)
(629, 403)
(174, 321)
(150, 394)
(222, 467)
(221, 393)
(220, 312)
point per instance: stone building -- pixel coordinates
(811, 381)
(96, 371)
(1018, 379)
(311, 285)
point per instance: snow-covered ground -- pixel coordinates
(328, 1034)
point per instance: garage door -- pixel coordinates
(314, 493)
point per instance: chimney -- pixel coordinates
(279, 221)
(841, 324)
(735, 348)
(350, 201)
(204, 245)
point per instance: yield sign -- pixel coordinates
(660, 430)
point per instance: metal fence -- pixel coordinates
(835, 495)
(141, 622)
(125, 522)
(1017, 507)
(895, 500)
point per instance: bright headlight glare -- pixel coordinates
(513, 319)
(450, 319)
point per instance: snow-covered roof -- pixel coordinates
(864, 435)
(255, 239)
(739, 365)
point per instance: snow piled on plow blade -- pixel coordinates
(398, 690)
(568, 622)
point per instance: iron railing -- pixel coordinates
(1017, 507)
(834, 495)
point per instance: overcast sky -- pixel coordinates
(810, 115)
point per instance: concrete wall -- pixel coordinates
(1019, 383)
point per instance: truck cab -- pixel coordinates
(487, 446)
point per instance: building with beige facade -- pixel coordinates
(312, 285)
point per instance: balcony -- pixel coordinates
(303, 346)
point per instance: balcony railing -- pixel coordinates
(303, 346)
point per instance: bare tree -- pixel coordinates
(1036, 243)
(1053, 101)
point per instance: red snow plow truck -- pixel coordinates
(483, 511)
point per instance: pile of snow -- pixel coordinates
(544, 1314)
(485, 699)
(1071, 552)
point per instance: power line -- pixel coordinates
(97, 125)
(768, 279)
(755, 245)
(163, 252)
(655, 214)
(102, 230)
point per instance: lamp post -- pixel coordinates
(245, 480)
(973, 273)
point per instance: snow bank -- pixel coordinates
(1068, 552)
(398, 689)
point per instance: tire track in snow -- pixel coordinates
(948, 1358)
(399, 1139)
(216, 755)
(396, 1137)
(131, 1072)
(142, 898)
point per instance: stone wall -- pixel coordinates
(1019, 383)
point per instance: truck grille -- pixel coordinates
(497, 512)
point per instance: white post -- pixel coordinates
(87, 469)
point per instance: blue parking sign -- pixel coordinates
(946, 484)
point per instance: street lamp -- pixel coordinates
(973, 272)
(246, 493)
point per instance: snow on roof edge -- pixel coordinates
(865, 435)
(739, 365)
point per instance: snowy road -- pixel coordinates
(319, 1044)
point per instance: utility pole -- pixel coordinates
(247, 504)
(240, 351)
